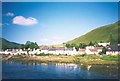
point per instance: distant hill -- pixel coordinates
(99, 34)
(7, 44)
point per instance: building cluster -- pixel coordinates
(111, 49)
(90, 50)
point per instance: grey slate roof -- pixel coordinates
(113, 48)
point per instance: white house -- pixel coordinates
(99, 49)
(90, 50)
(82, 51)
(103, 44)
(44, 50)
(63, 50)
(52, 51)
(60, 50)
(113, 49)
(70, 51)
(20, 51)
(90, 47)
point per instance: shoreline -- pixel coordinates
(61, 59)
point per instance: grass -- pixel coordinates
(80, 59)
(42, 54)
(110, 58)
(84, 59)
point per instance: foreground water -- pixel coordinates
(34, 70)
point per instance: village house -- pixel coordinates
(99, 49)
(104, 44)
(90, 50)
(82, 51)
(63, 50)
(52, 51)
(70, 51)
(21, 51)
(113, 49)
(57, 51)
(44, 50)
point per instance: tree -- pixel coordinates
(103, 51)
(81, 45)
(68, 45)
(101, 41)
(96, 44)
(36, 45)
(22, 46)
(77, 48)
(90, 44)
(31, 45)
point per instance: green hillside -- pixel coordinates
(99, 34)
(7, 44)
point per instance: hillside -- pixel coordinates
(99, 34)
(7, 44)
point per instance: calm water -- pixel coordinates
(34, 70)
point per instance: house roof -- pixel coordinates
(70, 49)
(82, 50)
(61, 49)
(93, 50)
(45, 48)
(98, 47)
(113, 48)
(52, 49)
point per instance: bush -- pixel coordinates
(83, 55)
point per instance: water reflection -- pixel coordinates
(58, 70)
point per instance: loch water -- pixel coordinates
(35, 70)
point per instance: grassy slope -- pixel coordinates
(98, 34)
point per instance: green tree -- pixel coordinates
(90, 44)
(22, 46)
(101, 41)
(68, 45)
(31, 45)
(95, 43)
(36, 45)
(77, 48)
(81, 45)
(103, 51)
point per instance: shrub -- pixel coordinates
(83, 55)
